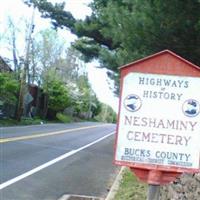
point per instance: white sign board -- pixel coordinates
(159, 120)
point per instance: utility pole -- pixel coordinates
(28, 44)
(25, 70)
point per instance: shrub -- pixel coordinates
(63, 118)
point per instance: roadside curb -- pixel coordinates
(113, 190)
(115, 185)
(78, 197)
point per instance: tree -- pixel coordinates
(20, 56)
(54, 64)
(85, 102)
(12, 40)
(107, 114)
(118, 31)
(9, 88)
(57, 71)
(70, 66)
(58, 96)
(47, 49)
(18, 41)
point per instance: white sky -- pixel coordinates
(18, 10)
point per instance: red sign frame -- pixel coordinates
(163, 63)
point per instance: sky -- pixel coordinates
(101, 84)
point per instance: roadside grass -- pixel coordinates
(24, 121)
(60, 118)
(64, 118)
(130, 188)
(7, 122)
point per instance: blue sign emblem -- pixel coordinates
(191, 108)
(132, 102)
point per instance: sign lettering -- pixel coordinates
(159, 120)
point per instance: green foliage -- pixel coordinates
(63, 78)
(64, 118)
(118, 31)
(58, 97)
(30, 121)
(96, 106)
(107, 114)
(60, 18)
(86, 101)
(57, 71)
(49, 47)
(130, 188)
(84, 94)
(9, 88)
(145, 27)
(24, 121)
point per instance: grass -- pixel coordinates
(64, 118)
(24, 121)
(130, 188)
(60, 118)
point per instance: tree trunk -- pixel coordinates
(20, 106)
(45, 106)
(38, 103)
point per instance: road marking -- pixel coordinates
(45, 165)
(27, 137)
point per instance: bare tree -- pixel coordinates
(25, 71)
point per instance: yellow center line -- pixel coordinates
(12, 139)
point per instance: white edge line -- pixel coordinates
(45, 165)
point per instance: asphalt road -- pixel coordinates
(45, 162)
